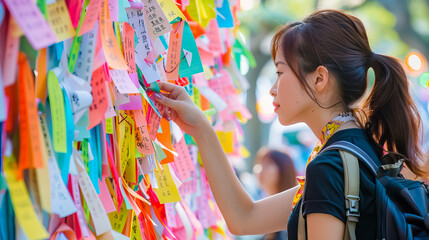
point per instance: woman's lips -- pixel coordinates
(276, 106)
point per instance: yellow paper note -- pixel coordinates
(171, 10)
(202, 11)
(43, 173)
(130, 170)
(124, 140)
(22, 205)
(109, 125)
(59, 19)
(118, 219)
(167, 190)
(58, 113)
(135, 229)
(227, 140)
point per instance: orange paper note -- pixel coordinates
(173, 55)
(31, 155)
(112, 52)
(99, 97)
(128, 45)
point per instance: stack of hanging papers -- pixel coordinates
(85, 151)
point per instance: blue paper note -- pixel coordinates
(127, 203)
(95, 163)
(224, 16)
(2, 12)
(63, 159)
(121, 8)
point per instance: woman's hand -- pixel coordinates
(182, 110)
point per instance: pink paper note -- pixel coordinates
(170, 214)
(123, 82)
(200, 80)
(105, 197)
(29, 18)
(154, 120)
(90, 17)
(135, 102)
(183, 162)
(143, 142)
(213, 34)
(10, 61)
(207, 57)
(74, 7)
(114, 10)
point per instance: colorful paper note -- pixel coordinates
(59, 19)
(22, 205)
(98, 213)
(158, 23)
(28, 16)
(171, 10)
(91, 16)
(111, 49)
(57, 111)
(99, 102)
(143, 140)
(167, 191)
(173, 54)
(183, 161)
(123, 82)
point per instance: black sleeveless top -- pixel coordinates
(325, 186)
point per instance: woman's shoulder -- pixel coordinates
(332, 158)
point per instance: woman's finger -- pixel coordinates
(174, 91)
(166, 101)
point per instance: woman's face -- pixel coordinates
(291, 101)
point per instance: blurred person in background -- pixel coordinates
(275, 172)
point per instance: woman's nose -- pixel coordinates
(273, 92)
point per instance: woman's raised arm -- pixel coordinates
(242, 215)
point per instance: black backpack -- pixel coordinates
(402, 204)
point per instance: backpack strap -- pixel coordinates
(351, 148)
(351, 193)
(348, 153)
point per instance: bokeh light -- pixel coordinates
(265, 108)
(424, 79)
(415, 63)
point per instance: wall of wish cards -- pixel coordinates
(85, 150)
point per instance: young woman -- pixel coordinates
(274, 170)
(275, 173)
(322, 64)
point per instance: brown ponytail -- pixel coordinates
(392, 117)
(338, 41)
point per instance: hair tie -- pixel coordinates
(371, 59)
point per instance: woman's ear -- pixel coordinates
(321, 79)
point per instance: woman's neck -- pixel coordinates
(318, 119)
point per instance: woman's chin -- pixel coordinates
(286, 121)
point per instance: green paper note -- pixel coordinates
(56, 102)
(191, 63)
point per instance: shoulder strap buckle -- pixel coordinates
(352, 206)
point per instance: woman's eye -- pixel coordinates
(278, 74)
